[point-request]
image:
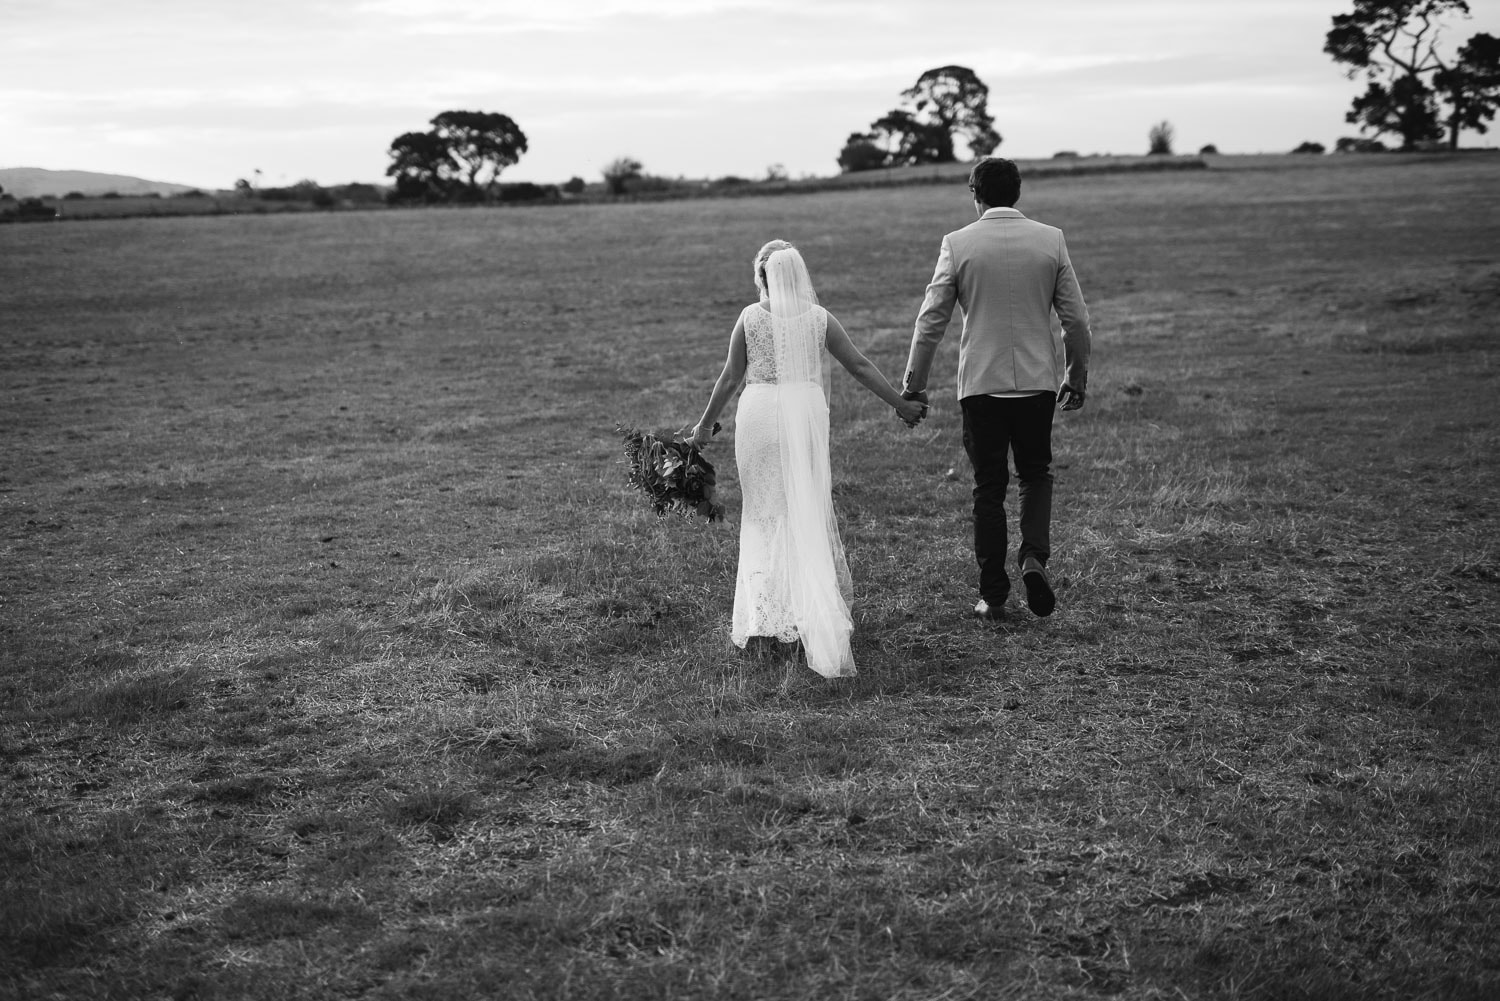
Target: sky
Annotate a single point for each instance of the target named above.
(203, 92)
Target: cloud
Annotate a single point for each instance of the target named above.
(564, 15)
(696, 86)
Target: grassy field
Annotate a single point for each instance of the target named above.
(336, 661)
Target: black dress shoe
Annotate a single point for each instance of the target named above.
(1039, 596)
(760, 647)
(990, 613)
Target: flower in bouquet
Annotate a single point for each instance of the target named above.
(672, 473)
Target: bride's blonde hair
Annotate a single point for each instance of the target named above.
(761, 257)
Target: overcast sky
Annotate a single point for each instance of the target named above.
(203, 92)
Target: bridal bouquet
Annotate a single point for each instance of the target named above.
(672, 474)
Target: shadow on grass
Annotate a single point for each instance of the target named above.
(264, 916)
(65, 885)
(126, 699)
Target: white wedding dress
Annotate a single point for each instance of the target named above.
(793, 580)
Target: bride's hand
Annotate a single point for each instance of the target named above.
(701, 435)
(911, 412)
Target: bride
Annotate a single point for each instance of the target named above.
(793, 581)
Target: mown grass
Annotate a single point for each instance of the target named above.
(338, 661)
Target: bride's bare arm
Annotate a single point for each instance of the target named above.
(729, 381)
(864, 370)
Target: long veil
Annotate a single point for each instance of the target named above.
(817, 571)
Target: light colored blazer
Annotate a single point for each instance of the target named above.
(1026, 327)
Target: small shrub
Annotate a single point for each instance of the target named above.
(73, 196)
(1160, 137)
(525, 191)
(1357, 144)
(650, 183)
(1208, 150)
(35, 208)
(621, 171)
(1311, 147)
(303, 191)
(1065, 154)
(861, 153)
(358, 193)
(574, 186)
(111, 194)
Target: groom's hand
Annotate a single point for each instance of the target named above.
(920, 396)
(1069, 398)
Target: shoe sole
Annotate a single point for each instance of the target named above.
(1039, 596)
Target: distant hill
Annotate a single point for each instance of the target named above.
(34, 182)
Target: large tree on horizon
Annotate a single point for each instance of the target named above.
(954, 103)
(945, 105)
(459, 158)
(482, 144)
(1395, 44)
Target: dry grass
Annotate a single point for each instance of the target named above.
(338, 661)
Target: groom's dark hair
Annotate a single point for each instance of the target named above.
(996, 181)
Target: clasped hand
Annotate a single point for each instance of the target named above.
(912, 409)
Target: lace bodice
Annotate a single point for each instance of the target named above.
(760, 342)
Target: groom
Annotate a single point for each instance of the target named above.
(1025, 346)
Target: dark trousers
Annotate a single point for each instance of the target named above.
(1022, 427)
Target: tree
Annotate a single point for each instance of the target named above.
(953, 101)
(908, 141)
(35, 208)
(421, 167)
(945, 104)
(1406, 108)
(861, 153)
(1395, 45)
(1160, 137)
(459, 158)
(1311, 147)
(479, 143)
(1472, 86)
(620, 170)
